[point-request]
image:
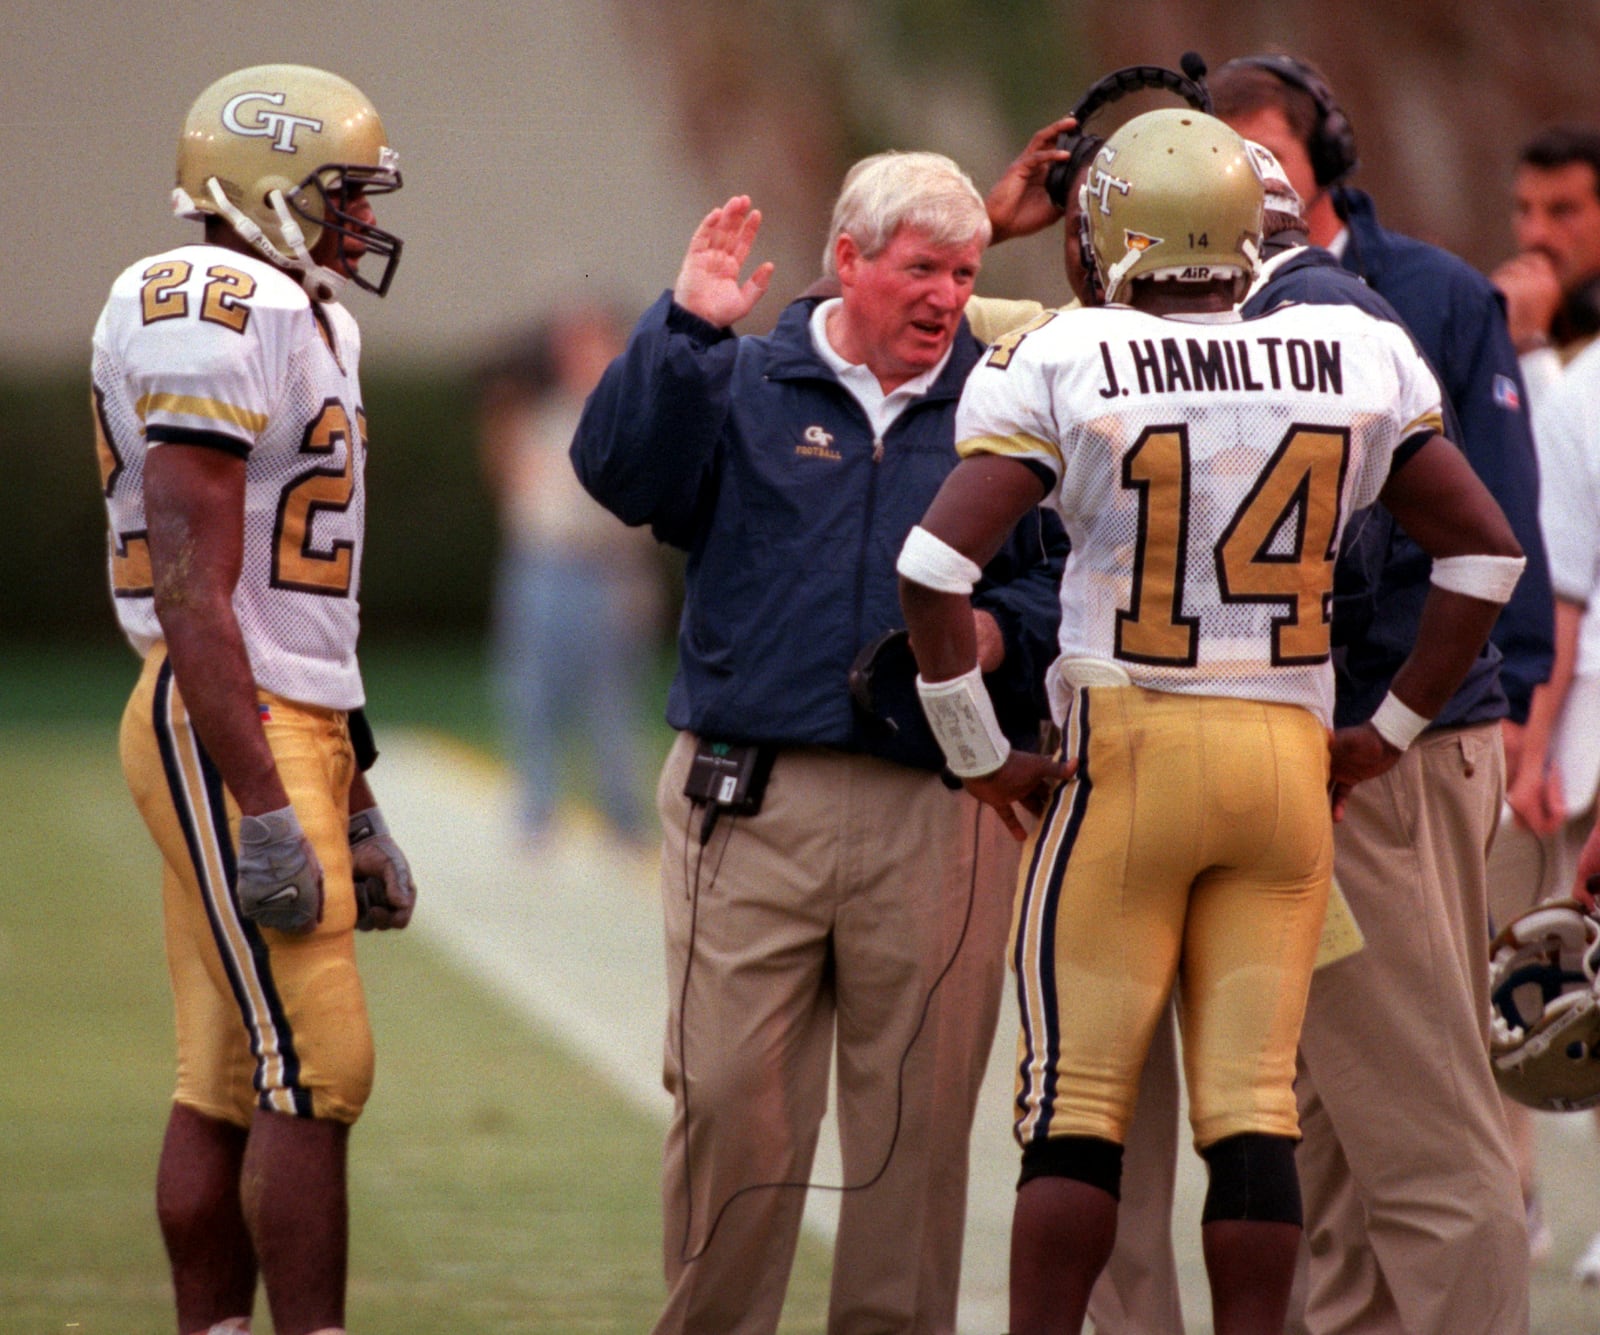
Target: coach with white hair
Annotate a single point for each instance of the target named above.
(824, 891)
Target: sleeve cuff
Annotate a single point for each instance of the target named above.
(683, 321)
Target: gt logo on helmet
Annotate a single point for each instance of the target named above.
(1100, 185)
(278, 126)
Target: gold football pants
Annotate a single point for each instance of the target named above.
(265, 1019)
(1193, 847)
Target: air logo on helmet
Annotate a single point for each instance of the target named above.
(278, 126)
(1196, 273)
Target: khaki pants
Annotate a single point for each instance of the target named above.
(1413, 1213)
(860, 917)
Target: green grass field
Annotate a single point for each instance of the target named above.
(497, 1185)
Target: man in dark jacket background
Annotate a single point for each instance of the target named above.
(858, 903)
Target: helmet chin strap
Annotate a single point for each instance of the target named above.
(320, 282)
(1119, 271)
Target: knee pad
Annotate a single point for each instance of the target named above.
(1252, 1177)
(1081, 1158)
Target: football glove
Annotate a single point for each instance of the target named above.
(385, 890)
(279, 881)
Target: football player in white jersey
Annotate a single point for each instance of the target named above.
(232, 442)
(1204, 467)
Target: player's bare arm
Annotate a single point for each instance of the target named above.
(194, 501)
(708, 282)
(194, 498)
(972, 514)
(1443, 505)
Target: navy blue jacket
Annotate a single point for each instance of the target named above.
(747, 453)
(1456, 317)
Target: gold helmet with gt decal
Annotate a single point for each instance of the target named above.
(1544, 988)
(278, 152)
(1173, 194)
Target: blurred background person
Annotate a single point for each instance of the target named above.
(578, 595)
(1552, 284)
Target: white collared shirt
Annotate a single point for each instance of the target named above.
(881, 409)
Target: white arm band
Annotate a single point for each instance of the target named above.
(935, 564)
(1397, 723)
(1491, 578)
(962, 718)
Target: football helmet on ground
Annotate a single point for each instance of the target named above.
(1172, 194)
(1545, 1021)
(279, 152)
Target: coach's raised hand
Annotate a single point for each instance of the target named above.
(708, 283)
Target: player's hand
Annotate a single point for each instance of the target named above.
(1533, 295)
(1586, 884)
(1512, 737)
(991, 643)
(1018, 204)
(385, 890)
(1536, 800)
(1358, 754)
(279, 882)
(708, 283)
(1026, 779)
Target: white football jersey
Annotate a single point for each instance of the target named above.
(1204, 470)
(204, 346)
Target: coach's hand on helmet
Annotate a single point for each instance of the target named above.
(708, 283)
(279, 882)
(385, 890)
(1026, 779)
(1018, 204)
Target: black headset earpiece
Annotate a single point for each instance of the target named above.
(1189, 85)
(1333, 143)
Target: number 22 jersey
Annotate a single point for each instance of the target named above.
(1204, 469)
(206, 347)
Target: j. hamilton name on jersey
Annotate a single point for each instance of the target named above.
(1194, 365)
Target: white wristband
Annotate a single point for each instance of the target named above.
(1491, 578)
(1397, 723)
(933, 563)
(961, 715)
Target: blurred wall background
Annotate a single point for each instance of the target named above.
(559, 149)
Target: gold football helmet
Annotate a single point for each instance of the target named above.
(1172, 194)
(279, 151)
(1545, 1024)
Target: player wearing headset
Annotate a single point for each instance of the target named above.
(232, 441)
